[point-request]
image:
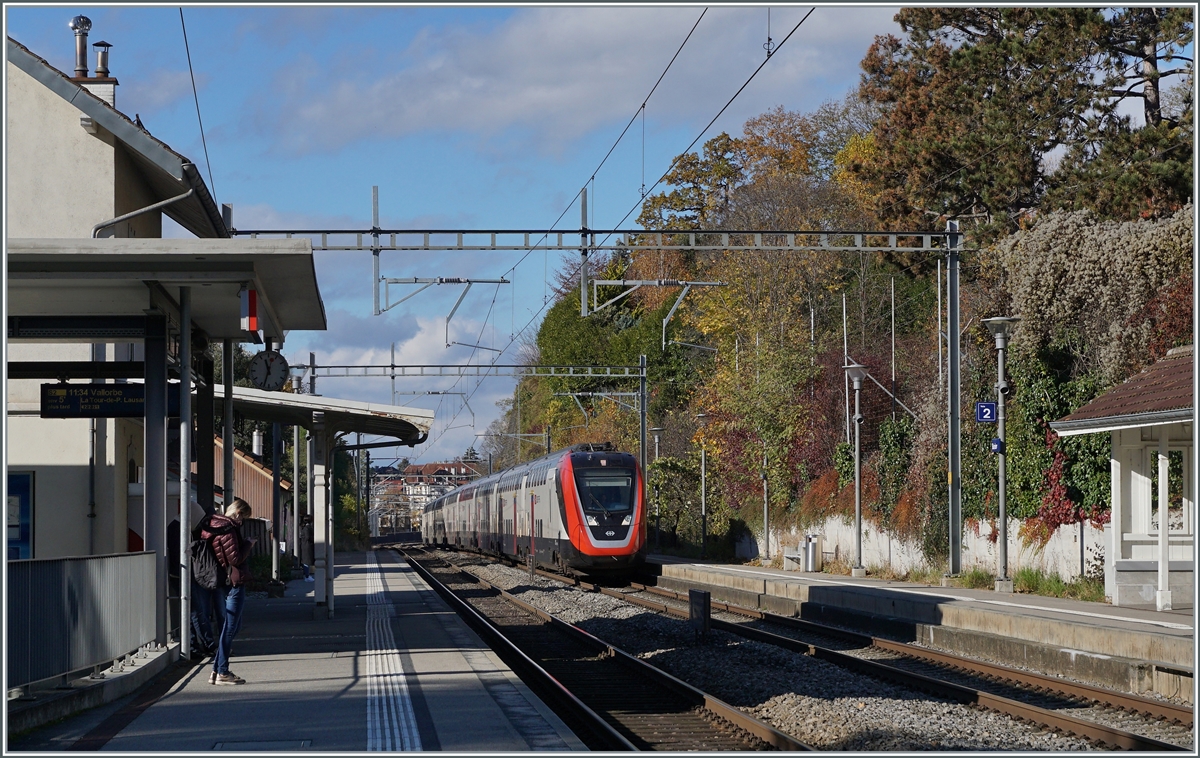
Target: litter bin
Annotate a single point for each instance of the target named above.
(812, 553)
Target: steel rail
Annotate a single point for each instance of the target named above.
(1086, 728)
(1082, 727)
(738, 718)
(1133, 703)
(528, 669)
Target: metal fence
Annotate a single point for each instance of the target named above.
(70, 614)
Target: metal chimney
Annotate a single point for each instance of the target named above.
(101, 59)
(81, 25)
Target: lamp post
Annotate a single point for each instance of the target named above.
(766, 514)
(702, 418)
(1001, 328)
(657, 516)
(856, 373)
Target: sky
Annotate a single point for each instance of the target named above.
(464, 117)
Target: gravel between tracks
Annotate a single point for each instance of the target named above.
(816, 702)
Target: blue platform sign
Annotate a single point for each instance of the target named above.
(985, 413)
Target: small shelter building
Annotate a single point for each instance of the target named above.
(1149, 549)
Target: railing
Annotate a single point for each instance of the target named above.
(70, 614)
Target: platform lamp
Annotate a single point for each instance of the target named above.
(657, 516)
(1001, 328)
(857, 372)
(702, 418)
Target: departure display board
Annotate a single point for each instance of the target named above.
(100, 400)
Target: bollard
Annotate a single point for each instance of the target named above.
(700, 611)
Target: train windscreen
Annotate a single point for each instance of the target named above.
(605, 492)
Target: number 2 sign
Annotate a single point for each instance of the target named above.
(985, 413)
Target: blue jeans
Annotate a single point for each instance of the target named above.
(202, 607)
(229, 615)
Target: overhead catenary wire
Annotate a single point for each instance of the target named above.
(706, 128)
(713, 121)
(196, 97)
(591, 180)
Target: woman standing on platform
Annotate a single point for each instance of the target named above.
(233, 554)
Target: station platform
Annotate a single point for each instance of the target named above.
(396, 669)
(1130, 649)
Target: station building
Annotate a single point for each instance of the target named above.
(109, 322)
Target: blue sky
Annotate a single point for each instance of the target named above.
(488, 117)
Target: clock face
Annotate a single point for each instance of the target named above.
(269, 370)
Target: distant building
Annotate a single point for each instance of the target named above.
(424, 482)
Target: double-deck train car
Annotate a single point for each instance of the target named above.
(578, 510)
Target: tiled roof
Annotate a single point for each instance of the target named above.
(1163, 387)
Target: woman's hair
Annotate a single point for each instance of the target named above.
(238, 509)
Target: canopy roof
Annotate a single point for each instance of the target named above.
(1161, 394)
(409, 425)
(118, 276)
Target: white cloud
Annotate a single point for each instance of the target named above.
(559, 73)
(160, 91)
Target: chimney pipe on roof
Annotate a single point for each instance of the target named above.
(81, 25)
(101, 59)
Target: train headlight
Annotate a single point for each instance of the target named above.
(591, 520)
(627, 520)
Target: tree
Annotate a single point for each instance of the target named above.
(702, 187)
(977, 99)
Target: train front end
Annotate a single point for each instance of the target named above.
(605, 512)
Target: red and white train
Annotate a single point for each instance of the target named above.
(578, 510)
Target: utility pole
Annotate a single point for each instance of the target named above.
(375, 249)
(583, 253)
(766, 514)
(642, 420)
(953, 242)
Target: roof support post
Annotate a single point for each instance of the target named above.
(154, 501)
(1162, 598)
(227, 433)
(294, 540)
(185, 470)
(330, 521)
(276, 500)
(205, 448)
(321, 534)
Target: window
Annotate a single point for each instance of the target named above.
(605, 491)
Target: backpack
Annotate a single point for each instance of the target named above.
(205, 569)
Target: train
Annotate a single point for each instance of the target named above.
(580, 510)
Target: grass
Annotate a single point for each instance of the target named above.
(976, 578)
(1036, 582)
(1029, 581)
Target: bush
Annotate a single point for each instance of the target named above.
(843, 462)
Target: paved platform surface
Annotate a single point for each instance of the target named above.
(1138, 649)
(1175, 623)
(395, 670)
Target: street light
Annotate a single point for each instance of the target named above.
(702, 417)
(1001, 328)
(857, 372)
(657, 516)
(766, 514)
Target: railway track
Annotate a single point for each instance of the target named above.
(612, 700)
(1024, 695)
